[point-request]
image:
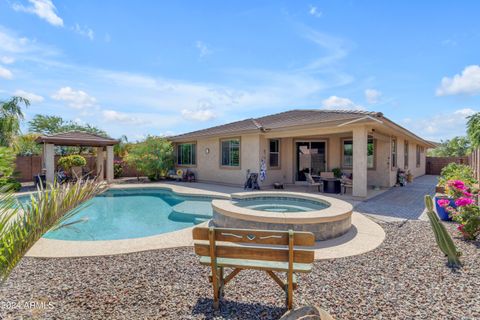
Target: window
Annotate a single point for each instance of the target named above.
(230, 153)
(347, 153)
(406, 154)
(418, 155)
(394, 153)
(347, 158)
(274, 153)
(187, 154)
(371, 153)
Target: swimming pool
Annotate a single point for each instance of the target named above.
(134, 213)
(280, 204)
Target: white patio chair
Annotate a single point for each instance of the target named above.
(312, 182)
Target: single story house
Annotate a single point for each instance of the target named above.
(366, 144)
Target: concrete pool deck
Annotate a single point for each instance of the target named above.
(365, 235)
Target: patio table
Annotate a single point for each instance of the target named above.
(331, 185)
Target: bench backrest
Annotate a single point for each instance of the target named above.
(281, 246)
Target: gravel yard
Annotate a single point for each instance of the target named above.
(405, 278)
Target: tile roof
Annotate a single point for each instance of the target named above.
(280, 120)
(77, 138)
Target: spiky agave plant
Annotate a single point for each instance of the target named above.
(21, 225)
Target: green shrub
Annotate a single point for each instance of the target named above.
(7, 162)
(117, 168)
(337, 172)
(455, 171)
(152, 157)
(10, 184)
(71, 161)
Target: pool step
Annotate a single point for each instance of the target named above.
(199, 220)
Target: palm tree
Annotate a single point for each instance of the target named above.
(473, 129)
(10, 116)
(21, 225)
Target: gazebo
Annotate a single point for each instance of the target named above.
(103, 145)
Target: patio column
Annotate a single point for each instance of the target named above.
(49, 161)
(100, 164)
(109, 168)
(360, 141)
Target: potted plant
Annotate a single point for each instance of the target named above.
(337, 173)
(73, 163)
(409, 177)
(454, 189)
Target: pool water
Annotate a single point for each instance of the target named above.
(126, 214)
(279, 204)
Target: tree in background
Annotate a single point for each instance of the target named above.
(7, 162)
(25, 145)
(44, 124)
(473, 129)
(7, 165)
(455, 147)
(152, 157)
(10, 116)
(122, 147)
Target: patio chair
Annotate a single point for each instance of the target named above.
(189, 176)
(252, 182)
(346, 183)
(178, 176)
(311, 182)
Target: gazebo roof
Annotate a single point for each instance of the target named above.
(77, 138)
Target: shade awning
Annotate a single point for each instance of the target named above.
(77, 138)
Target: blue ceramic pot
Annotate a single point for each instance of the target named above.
(442, 213)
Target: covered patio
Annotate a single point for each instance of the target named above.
(103, 145)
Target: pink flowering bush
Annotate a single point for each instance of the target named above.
(466, 213)
(456, 189)
(443, 202)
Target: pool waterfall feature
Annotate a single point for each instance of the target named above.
(325, 217)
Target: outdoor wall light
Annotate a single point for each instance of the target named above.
(207, 150)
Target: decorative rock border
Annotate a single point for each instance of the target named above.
(328, 223)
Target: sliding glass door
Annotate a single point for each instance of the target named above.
(310, 158)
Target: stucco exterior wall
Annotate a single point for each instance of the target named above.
(255, 147)
(208, 164)
(412, 160)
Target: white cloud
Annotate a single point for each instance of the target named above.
(76, 99)
(7, 60)
(203, 49)
(441, 126)
(44, 9)
(465, 112)
(84, 31)
(315, 12)
(466, 83)
(32, 97)
(115, 116)
(339, 103)
(335, 49)
(199, 114)
(5, 73)
(372, 96)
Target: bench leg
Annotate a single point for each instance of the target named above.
(222, 283)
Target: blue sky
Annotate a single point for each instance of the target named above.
(158, 67)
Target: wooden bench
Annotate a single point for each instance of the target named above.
(270, 251)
